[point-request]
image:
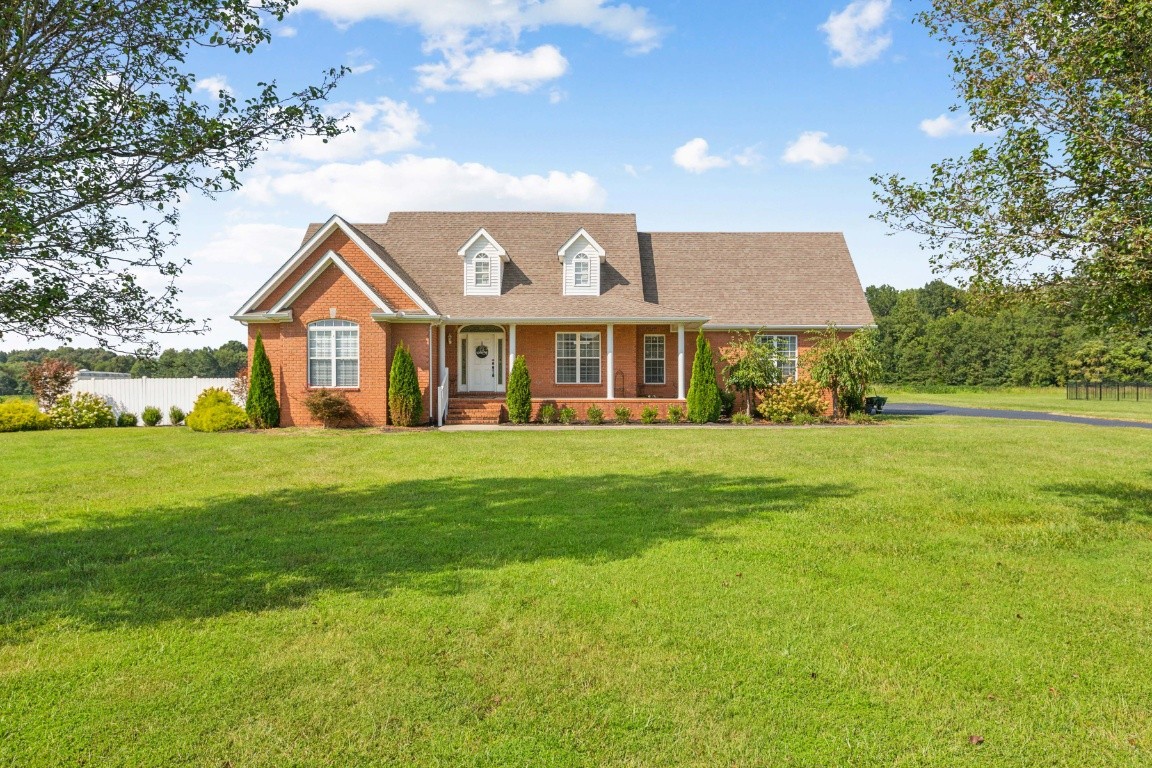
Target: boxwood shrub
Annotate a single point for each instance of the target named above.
(215, 411)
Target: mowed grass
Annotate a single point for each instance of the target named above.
(1046, 399)
(857, 596)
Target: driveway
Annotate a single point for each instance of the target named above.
(928, 409)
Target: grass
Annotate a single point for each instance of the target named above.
(1047, 399)
(857, 596)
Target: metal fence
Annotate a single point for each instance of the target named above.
(1109, 390)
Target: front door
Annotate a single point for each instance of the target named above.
(485, 367)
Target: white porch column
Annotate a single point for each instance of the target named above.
(611, 363)
(441, 371)
(680, 361)
(511, 350)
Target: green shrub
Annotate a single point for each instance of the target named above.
(727, 402)
(22, 416)
(329, 408)
(175, 415)
(859, 417)
(649, 415)
(261, 406)
(404, 398)
(83, 410)
(151, 416)
(675, 414)
(567, 415)
(623, 414)
(127, 419)
(548, 414)
(784, 401)
(216, 411)
(519, 397)
(805, 419)
(703, 392)
(741, 418)
(595, 414)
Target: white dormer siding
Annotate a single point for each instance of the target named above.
(581, 257)
(483, 265)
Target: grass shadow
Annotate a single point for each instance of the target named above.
(277, 549)
(1113, 502)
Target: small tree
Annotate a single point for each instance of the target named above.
(49, 380)
(261, 406)
(519, 397)
(750, 367)
(703, 392)
(404, 398)
(845, 366)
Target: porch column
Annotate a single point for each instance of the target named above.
(441, 370)
(511, 350)
(680, 361)
(611, 364)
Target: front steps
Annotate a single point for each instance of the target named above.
(474, 410)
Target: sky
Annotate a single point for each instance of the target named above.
(696, 116)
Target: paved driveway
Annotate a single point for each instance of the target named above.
(928, 409)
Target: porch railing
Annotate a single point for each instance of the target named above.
(442, 396)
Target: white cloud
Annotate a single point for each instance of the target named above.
(749, 157)
(369, 190)
(555, 96)
(359, 62)
(855, 35)
(248, 243)
(382, 126)
(693, 157)
(811, 148)
(286, 31)
(213, 86)
(489, 71)
(950, 125)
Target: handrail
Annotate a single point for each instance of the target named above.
(442, 395)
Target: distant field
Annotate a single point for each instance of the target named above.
(1047, 399)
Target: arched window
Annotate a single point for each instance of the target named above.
(333, 354)
(581, 271)
(482, 265)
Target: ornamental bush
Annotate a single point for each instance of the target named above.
(675, 414)
(785, 401)
(329, 408)
(741, 418)
(127, 419)
(22, 416)
(216, 411)
(567, 415)
(404, 398)
(649, 415)
(519, 397)
(595, 414)
(261, 406)
(82, 410)
(703, 393)
(623, 414)
(175, 415)
(151, 416)
(548, 414)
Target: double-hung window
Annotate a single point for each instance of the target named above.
(786, 353)
(578, 358)
(333, 354)
(654, 359)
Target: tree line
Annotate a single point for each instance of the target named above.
(207, 362)
(940, 334)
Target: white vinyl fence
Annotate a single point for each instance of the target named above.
(134, 395)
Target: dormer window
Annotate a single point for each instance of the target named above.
(581, 271)
(580, 258)
(483, 265)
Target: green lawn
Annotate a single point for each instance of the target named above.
(1048, 399)
(858, 596)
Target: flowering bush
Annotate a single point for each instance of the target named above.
(22, 415)
(784, 401)
(82, 410)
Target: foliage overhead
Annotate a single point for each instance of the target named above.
(1057, 203)
(101, 137)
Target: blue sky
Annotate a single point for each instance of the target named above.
(695, 116)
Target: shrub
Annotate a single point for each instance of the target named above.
(727, 402)
(783, 402)
(127, 419)
(329, 408)
(595, 415)
(675, 414)
(261, 406)
(82, 410)
(649, 415)
(741, 418)
(623, 414)
(175, 416)
(216, 411)
(49, 380)
(519, 397)
(548, 414)
(151, 416)
(859, 417)
(805, 419)
(703, 392)
(22, 416)
(567, 415)
(846, 366)
(404, 398)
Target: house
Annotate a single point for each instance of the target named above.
(603, 314)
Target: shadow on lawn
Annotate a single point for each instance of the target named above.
(1113, 502)
(276, 549)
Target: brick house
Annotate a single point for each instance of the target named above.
(603, 313)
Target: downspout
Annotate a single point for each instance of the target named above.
(431, 389)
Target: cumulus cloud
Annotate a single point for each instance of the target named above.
(369, 190)
(812, 148)
(693, 156)
(213, 86)
(248, 243)
(855, 35)
(950, 125)
(489, 71)
(382, 126)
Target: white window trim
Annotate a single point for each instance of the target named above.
(487, 270)
(576, 283)
(794, 358)
(556, 359)
(331, 330)
(663, 358)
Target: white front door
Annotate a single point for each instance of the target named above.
(483, 357)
